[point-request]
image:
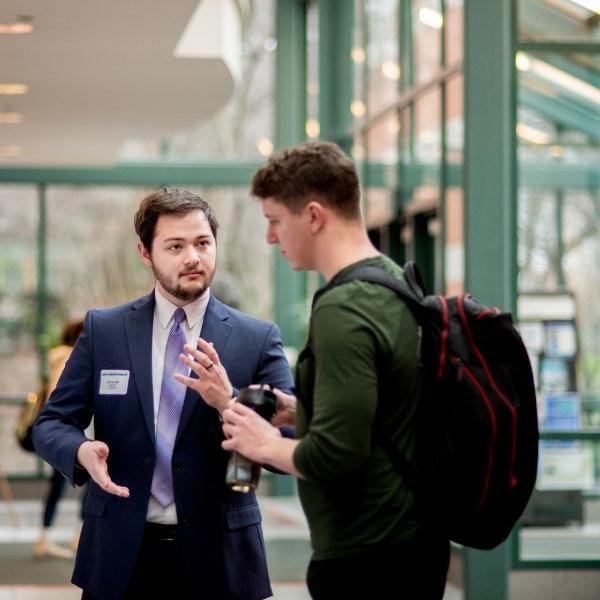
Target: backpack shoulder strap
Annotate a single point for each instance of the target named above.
(415, 279)
(411, 292)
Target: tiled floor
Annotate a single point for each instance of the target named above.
(285, 529)
(282, 591)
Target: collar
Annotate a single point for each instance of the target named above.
(194, 311)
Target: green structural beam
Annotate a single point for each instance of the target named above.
(565, 112)
(336, 21)
(290, 118)
(538, 18)
(42, 288)
(490, 205)
(490, 152)
(221, 174)
(539, 175)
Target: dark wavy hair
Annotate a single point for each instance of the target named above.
(169, 202)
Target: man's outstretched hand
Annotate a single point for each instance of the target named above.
(92, 457)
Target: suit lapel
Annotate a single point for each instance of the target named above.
(215, 329)
(138, 329)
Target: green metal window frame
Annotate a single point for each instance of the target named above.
(517, 563)
(574, 176)
(206, 174)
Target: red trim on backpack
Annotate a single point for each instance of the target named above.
(444, 339)
(513, 413)
(488, 312)
(490, 459)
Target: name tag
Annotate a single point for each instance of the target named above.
(114, 382)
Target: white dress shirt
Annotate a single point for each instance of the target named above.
(163, 320)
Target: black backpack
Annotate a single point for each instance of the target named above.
(477, 439)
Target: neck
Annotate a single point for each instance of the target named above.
(173, 299)
(342, 248)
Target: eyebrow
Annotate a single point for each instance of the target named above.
(181, 239)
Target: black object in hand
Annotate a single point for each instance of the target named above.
(243, 474)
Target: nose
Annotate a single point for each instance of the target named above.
(271, 237)
(191, 257)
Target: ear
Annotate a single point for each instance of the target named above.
(144, 254)
(317, 216)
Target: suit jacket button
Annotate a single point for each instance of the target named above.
(183, 520)
(177, 466)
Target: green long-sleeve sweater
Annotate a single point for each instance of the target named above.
(365, 345)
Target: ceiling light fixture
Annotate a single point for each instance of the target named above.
(358, 55)
(10, 151)
(565, 80)
(13, 89)
(390, 70)
(312, 128)
(358, 108)
(532, 134)
(11, 118)
(522, 61)
(431, 18)
(591, 5)
(22, 25)
(265, 146)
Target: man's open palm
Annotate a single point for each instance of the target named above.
(92, 457)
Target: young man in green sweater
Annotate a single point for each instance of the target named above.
(357, 382)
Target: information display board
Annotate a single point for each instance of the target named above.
(548, 326)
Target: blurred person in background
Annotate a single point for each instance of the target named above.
(57, 359)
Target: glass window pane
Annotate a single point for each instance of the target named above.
(558, 129)
(427, 27)
(85, 273)
(454, 276)
(244, 127)
(382, 151)
(454, 31)
(358, 53)
(454, 120)
(18, 290)
(312, 69)
(559, 95)
(382, 140)
(19, 365)
(382, 53)
(428, 131)
(558, 20)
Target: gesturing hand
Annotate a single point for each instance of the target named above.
(213, 383)
(92, 457)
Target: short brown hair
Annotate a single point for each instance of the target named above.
(310, 169)
(169, 202)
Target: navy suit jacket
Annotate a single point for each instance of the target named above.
(220, 530)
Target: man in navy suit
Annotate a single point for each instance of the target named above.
(159, 520)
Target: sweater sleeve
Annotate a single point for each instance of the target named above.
(338, 440)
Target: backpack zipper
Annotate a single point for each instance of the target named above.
(513, 480)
